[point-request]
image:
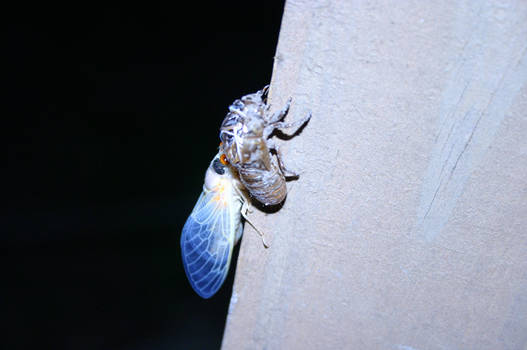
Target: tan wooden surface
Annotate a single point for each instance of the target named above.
(407, 229)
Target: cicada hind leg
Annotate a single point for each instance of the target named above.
(287, 172)
(246, 208)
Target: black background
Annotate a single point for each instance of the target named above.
(111, 119)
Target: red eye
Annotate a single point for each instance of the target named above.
(223, 159)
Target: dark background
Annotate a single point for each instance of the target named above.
(111, 119)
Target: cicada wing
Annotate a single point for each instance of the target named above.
(206, 243)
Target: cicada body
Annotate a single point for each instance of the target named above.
(245, 133)
(212, 229)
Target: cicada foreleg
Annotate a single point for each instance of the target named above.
(296, 124)
(276, 121)
(279, 115)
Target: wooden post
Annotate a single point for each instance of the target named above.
(407, 228)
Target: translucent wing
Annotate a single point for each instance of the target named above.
(207, 241)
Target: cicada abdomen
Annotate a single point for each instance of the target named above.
(245, 133)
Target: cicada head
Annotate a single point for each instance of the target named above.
(258, 100)
(219, 172)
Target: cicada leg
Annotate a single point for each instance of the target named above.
(243, 210)
(287, 172)
(276, 121)
(279, 115)
(296, 124)
(246, 208)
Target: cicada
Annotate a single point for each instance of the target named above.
(213, 228)
(245, 135)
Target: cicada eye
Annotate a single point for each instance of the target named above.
(218, 166)
(223, 159)
(238, 104)
(225, 138)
